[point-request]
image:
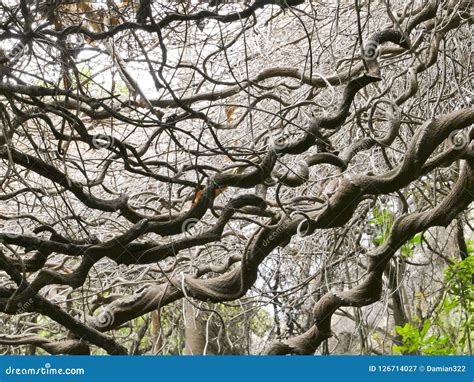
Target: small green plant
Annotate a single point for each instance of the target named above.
(417, 340)
(458, 277)
(470, 246)
(383, 221)
(408, 248)
(449, 330)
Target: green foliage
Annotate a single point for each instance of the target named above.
(86, 76)
(256, 321)
(410, 245)
(418, 340)
(261, 322)
(240, 322)
(451, 327)
(121, 88)
(173, 337)
(470, 246)
(85, 73)
(458, 278)
(382, 221)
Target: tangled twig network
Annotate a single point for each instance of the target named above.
(267, 177)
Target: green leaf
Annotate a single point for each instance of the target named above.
(426, 327)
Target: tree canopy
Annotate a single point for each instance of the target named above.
(226, 177)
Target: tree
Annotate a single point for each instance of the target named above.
(276, 177)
